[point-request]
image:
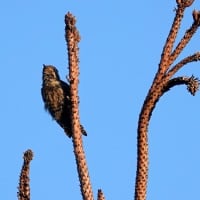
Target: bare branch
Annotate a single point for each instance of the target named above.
(184, 41)
(24, 187)
(191, 82)
(72, 39)
(160, 85)
(163, 66)
(193, 58)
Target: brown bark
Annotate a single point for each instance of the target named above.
(24, 186)
(161, 84)
(72, 38)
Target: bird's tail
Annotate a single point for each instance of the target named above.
(83, 131)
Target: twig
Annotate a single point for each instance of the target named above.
(167, 49)
(184, 41)
(191, 82)
(193, 58)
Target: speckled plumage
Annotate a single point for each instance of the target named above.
(56, 97)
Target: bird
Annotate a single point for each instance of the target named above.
(56, 96)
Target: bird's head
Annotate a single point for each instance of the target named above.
(50, 73)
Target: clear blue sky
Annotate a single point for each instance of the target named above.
(119, 54)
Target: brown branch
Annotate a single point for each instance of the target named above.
(72, 39)
(164, 62)
(184, 41)
(191, 82)
(24, 187)
(152, 97)
(100, 195)
(144, 118)
(160, 85)
(142, 140)
(193, 58)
